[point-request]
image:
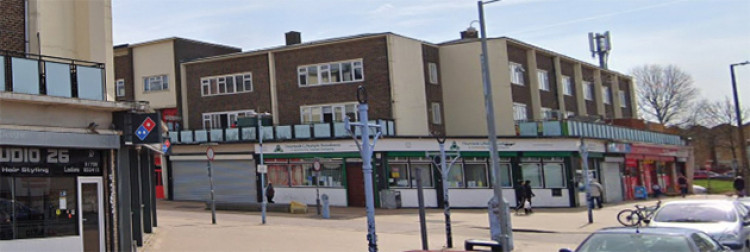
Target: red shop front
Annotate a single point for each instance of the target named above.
(647, 165)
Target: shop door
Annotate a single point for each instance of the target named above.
(91, 222)
(355, 185)
(612, 182)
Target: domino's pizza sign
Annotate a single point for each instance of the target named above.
(142, 128)
(145, 128)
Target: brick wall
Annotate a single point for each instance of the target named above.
(548, 98)
(625, 86)
(609, 109)
(521, 94)
(588, 75)
(571, 102)
(434, 93)
(12, 30)
(124, 70)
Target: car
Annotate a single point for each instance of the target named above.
(646, 239)
(699, 189)
(727, 221)
(745, 201)
(704, 174)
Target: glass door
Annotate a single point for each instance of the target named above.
(91, 209)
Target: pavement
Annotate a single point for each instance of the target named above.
(186, 226)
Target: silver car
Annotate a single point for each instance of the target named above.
(726, 221)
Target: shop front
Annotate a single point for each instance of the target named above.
(648, 165)
(53, 199)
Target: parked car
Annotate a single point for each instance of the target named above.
(699, 189)
(704, 174)
(724, 176)
(727, 221)
(646, 239)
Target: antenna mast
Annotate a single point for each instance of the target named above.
(600, 44)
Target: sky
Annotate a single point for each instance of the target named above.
(702, 37)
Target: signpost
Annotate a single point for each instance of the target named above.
(210, 155)
(316, 168)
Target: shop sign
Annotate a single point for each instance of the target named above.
(618, 148)
(24, 161)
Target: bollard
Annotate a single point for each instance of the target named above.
(326, 209)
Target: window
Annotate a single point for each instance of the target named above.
(433, 72)
(554, 175)
(519, 112)
(476, 175)
(543, 80)
(38, 207)
(436, 113)
(606, 95)
(569, 114)
(227, 84)
(328, 113)
(567, 85)
(399, 175)
(623, 99)
(546, 173)
(403, 172)
(588, 91)
(548, 113)
(425, 175)
(155, 83)
(330, 73)
(218, 120)
(455, 175)
(516, 73)
(120, 86)
(533, 173)
(300, 173)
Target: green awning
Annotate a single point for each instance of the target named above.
(314, 155)
(547, 154)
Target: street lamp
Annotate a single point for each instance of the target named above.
(259, 117)
(503, 217)
(743, 148)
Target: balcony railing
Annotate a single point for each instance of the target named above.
(594, 130)
(332, 130)
(52, 76)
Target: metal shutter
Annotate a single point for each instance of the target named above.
(234, 181)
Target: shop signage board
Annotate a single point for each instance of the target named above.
(31, 161)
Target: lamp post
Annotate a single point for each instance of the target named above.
(503, 217)
(259, 117)
(743, 148)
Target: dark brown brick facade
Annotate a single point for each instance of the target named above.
(374, 55)
(571, 103)
(588, 75)
(609, 109)
(521, 94)
(548, 98)
(433, 92)
(12, 25)
(124, 70)
(259, 99)
(625, 86)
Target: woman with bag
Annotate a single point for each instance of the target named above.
(527, 197)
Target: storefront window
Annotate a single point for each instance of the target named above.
(476, 175)
(278, 175)
(456, 176)
(554, 175)
(533, 173)
(32, 207)
(330, 175)
(426, 174)
(505, 175)
(300, 173)
(399, 176)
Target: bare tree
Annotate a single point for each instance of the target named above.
(664, 93)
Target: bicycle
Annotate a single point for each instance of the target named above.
(641, 214)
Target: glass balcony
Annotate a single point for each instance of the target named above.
(51, 76)
(594, 130)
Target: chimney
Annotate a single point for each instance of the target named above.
(469, 33)
(293, 38)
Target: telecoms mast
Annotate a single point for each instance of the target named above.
(600, 44)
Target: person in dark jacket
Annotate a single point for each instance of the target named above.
(528, 194)
(739, 186)
(520, 199)
(270, 193)
(682, 182)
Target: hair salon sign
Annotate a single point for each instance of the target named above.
(31, 161)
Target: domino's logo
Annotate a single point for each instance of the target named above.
(145, 128)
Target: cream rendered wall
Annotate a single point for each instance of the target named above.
(46, 115)
(407, 86)
(74, 29)
(463, 90)
(150, 60)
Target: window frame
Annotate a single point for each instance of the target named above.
(541, 163)
(516, 74)
(432, 72)
(307, 112)
(623, 98)
(606, 95)
(120, 85)
(436, 112)
(517, 114)
(355, 73)
(211, 84)
(567, 85)
(588, 90)
(163, 85)
(543, 79)
(214, 118)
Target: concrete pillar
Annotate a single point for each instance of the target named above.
(633, 100)
(536, 103)
(578, 83)
(559, 79)
(598, 94)
(616, 102)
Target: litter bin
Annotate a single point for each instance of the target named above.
(390, 199)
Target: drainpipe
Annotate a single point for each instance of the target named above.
(26, 26)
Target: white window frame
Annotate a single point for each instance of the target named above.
(569, 114)
(606, 95)
(436, 113)
(546, 113)
(324, 74)
(543, 79)
(217, 82)
(120, 87)
(315, 113)
(517, 113)
(433, 72)
(623, 102)
(516, 73)
(163, 83)
(567, 85)
(588, 90)
(214, 118)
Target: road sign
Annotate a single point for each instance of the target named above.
(210, 153)
(262, 168)
(316, 165)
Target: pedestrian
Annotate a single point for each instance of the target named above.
(682, 182)
(270, 193)
(657, 190)
(596, 191)
(739, 186)
(527, 195)
(520, 199)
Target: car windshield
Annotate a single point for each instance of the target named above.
(634, 242)
(699, 212)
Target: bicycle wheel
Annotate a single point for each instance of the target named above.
(628, 218)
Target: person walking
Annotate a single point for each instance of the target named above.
(682, 182)
(657, 190)
(596, 191)
(520, 199)
(270, 193)
(527, 194)
(739, 186)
